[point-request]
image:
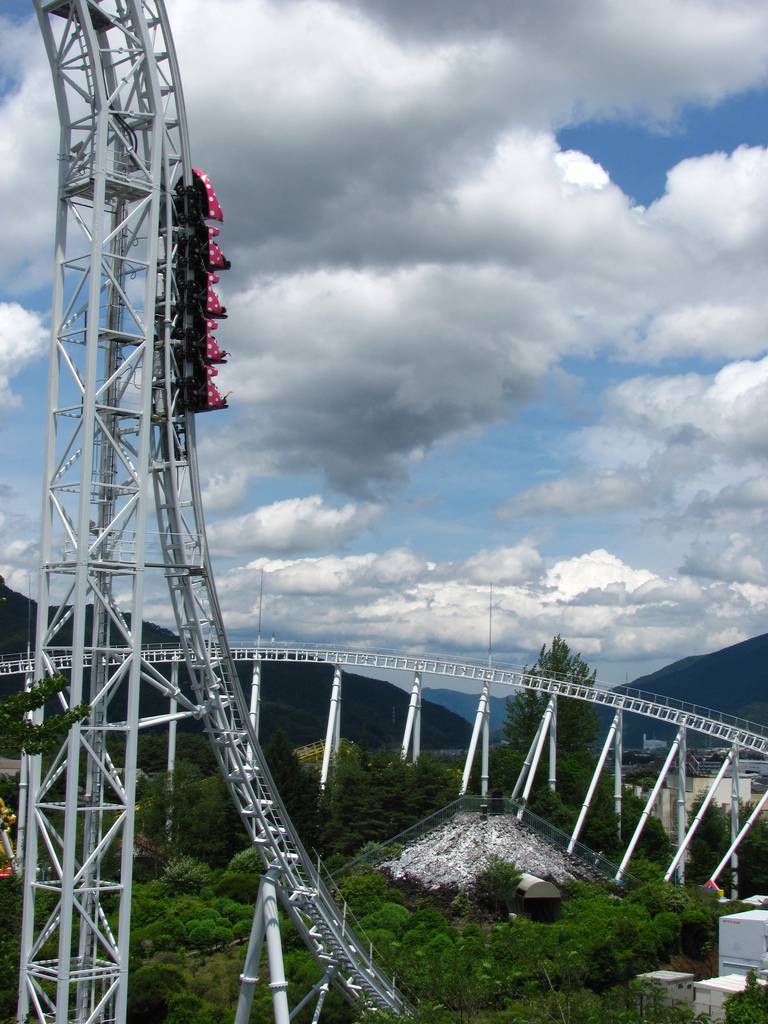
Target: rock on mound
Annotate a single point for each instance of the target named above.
(455, 853)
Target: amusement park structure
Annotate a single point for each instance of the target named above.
(133, 359)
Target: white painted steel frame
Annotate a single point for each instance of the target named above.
(412, 731)
(80, 821)
(124, 146)
(480, 731)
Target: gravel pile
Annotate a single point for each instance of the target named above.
(455, 853)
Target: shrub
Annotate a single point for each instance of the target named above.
(497, 884)
(240, 886)
(186, 875)
(246, 861)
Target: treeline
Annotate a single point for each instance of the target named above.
(370, 795)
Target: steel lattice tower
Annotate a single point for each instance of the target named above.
(126, 377)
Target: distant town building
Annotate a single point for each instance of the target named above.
(665, 808)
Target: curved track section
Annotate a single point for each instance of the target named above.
(120, 448)
(726, 729)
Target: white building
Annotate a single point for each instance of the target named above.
(743, 942)
(709, 996)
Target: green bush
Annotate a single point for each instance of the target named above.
(246, 861)
(186, 875)
(241, 886)
(495, 887)
(151, 987)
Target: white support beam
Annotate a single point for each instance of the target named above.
(756, 810)
(332, 732)
(618, 758)
(485, 750)
(320, 1000)
(683, 846)
(5, 839)
(545, 723)
(552, 777)
(173, 707)
(412, 730)
(734, 821)
(482, 710)
(318, 988)
(255, 704)
(21, 818)
(649, 805)
(527, 762)
(593, 782)
(254, 708)
(681, 807)
(265, 927)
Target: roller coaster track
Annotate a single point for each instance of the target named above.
(130, 364)
(716, 725)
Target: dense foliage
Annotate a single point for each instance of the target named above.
(460, 956)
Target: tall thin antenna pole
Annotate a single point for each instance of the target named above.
(261, 597)
(490, 626)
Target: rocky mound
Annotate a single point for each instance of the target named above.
(455, 853)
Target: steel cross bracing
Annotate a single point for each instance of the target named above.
(707, 721)
(118, 443)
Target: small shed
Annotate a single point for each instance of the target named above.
(538, 899)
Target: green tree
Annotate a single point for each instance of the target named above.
(577, 721)
(749, 1006)
(497, 884)
(18, 732)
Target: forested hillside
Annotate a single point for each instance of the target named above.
(457, 953)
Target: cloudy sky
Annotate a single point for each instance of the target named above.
(498, 314)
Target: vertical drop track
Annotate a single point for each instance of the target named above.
(132, 361)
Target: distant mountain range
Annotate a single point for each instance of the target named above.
(294, 697)
(465, 704)
(733, 680)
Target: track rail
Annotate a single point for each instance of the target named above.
(706, 721)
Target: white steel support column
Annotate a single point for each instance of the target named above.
(412, 732)
(618, 757)
(477, 728)
(552, 776)
(682, 819)
(593, 782)
(545, 723)
(736, 842)
(173, 708)
(734, 821)
(527, 762)
(320, 989)
(266, 926)
(21, 818)
(255, 705)
(683, 846)
(321, 999)
(332, 733)
(649, 804)
(485, 750)
(95, 502)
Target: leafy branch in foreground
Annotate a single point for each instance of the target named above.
(19, 732)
